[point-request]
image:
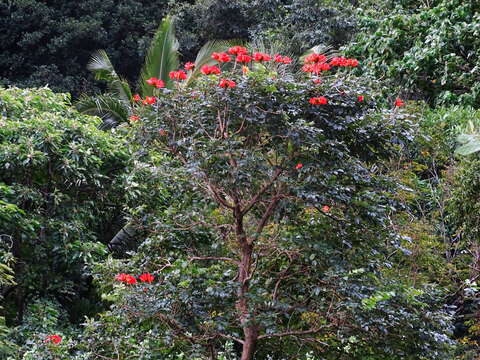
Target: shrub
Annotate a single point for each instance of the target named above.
(61, 197)
(426, 52)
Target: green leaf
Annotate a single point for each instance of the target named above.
(162, 57)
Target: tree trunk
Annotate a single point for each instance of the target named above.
(250, 342)
(250, 328)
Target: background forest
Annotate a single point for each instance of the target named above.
(263, 179)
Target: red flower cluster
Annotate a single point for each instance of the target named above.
(316, 68)
(261, 57)
(207, 70)
(299, 166)
(361, 98)
(54, 339)
(125, 278)
(326, 208)
(178, 75)
(224, 83)
(221, 57)
(147, 277)
(316, 63)
(238, 50)
(146, 101)
(341, 61)
(399, 102)
(189, 65)
(282, 59)
(156, 82)
(149, 100)
(321, 100)
(315, 58)
(134, 118)
(243, 58)
(129, 279)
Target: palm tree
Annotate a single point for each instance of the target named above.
(115, 106)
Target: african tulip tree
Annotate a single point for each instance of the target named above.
(271, 193)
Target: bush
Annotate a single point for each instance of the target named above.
(426, 52)
(61, 197)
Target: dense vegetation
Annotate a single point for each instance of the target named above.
(284, 181)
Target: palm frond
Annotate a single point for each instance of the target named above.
(112, 110)
(123, 239)
(103, 69)
(162, 57)
(101, 66)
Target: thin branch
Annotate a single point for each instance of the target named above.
(231, 338)
(290, 333)
(217, 196)
(264, 188)
(192, 258)
(328, 215)
(266, 215)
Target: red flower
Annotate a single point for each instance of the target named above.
(162, 132)
(189, 66)
(299, 166)
(129, 279)
(221, 57)
(361, 98)
(134, 118)
(316, 68)
(321, 100)
(178, 75)
(121, 277)
(136, 98)
(54, 339)
(149, 100)
(315, 58)
(282, 59)
(307, 68)
(224, 83)
(147, 277)
(155, 82)
(352, 62)
(341, 61)
(317, 81)
(207, 70)
(337, 61)
(261, 57)
(152, 81)
(326, 208)
(399, 102)
(237, 50)
(243, 58)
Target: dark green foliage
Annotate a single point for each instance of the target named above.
(425, 52)
(292, 25)
(61, 198)
(51, 42)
